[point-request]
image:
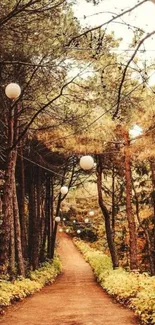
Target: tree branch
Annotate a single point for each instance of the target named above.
(107, 22)
(125, 71)
(41, 110)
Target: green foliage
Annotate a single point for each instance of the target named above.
(100, 263)
(144, 302)
(122, 284)
(130, 288)
(47, 273)
(10, 292)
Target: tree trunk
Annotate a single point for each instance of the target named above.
(52, 205)
(153, 201)
(35, 237)
(129, 212)
(55, 226)
(33, 224)
(48, 215)
(12, 247)
(113, 202)
(7, 202)
(43, 233)
(54, 239)
(39, 210)
(105, 212)
(21, 200)
(30, 210)
(20, 261)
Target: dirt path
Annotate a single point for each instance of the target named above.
(74, 299)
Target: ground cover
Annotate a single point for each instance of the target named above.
(135, 290)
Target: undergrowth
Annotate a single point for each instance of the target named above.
(135, 290)
(22, 287)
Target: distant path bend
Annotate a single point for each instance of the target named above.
(73, 299)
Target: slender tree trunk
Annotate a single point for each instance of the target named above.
(113, 201)
(33, 224)
(52, 203)
(39, 213)
(56, 224)
(43, 234)
(153, 201)
(35, 238)
(20, 261)
(129, 211)
(106, 215)
(12, 247)
(30, 209)
(50, 218)
(48, 215)
(21, 200)
(54, 239)
(7, 199)
(43, 243)
(44, 226)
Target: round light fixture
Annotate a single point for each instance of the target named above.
(86, 220)
(64, 190)
(57, 219)
(78, 231)
(12, 90)
(91, 213)
(60, 230)
(86, 162)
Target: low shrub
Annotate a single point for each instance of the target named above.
(133, 289)
(10, 292)
(144, 302)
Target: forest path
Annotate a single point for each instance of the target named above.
(74, 298)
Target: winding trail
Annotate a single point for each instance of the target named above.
(74, 299)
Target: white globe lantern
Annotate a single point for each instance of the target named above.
(60, 230)
(86, 162)
(86, 220)
(64, 219)
(67, 230)
(12, 90)
(57, 219)
(74, 221)
(64, 190)
(91, 213)
(78, 231)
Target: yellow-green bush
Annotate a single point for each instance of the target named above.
(21, 287)
(133, 289)
(122, 284)
(100, 263)
(144, 302)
